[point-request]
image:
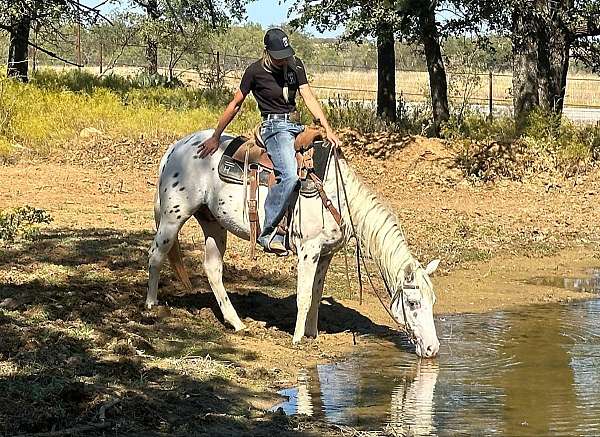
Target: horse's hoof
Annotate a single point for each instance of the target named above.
(149, 304)
(239, 327)
(296, 340)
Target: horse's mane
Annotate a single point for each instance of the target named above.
(378, 229)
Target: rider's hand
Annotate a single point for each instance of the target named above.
(333, 139)
(208, 147)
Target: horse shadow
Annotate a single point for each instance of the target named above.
(280, 313)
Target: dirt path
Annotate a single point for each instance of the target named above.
(76, 293)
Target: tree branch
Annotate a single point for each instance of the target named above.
(52, 54)
(589, 26)
(91, 10)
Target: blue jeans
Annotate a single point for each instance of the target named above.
(279, 137)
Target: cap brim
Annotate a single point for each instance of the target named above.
(282, 54)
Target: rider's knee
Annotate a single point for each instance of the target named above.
(290, 180)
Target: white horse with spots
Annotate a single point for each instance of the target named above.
(190, 186)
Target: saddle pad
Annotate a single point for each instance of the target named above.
(232, 171)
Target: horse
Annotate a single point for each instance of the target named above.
(190, 186)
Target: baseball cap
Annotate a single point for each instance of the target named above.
(277, 44)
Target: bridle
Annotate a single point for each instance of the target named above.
(399, 293)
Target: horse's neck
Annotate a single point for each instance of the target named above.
(376, 227)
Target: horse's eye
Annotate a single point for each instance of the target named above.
(414, 304)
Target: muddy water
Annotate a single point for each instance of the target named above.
(525, 373)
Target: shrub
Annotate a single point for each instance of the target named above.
(21, 222)
(491, 150)
(43, 118)
(362, 117)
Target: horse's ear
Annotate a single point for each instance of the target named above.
(432, 266)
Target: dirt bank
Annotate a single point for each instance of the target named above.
(75, 294)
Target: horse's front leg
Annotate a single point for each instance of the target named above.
(308, 260)
(311, 329)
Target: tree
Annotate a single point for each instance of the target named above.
(426, 31)
(543, 34)
(415, 20)
(17, 18)
(166, 18)
(386, 72)
(362, 20)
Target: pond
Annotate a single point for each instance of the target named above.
(530, 372)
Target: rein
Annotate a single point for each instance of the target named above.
(339, 180)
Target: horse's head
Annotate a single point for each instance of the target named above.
(412, 304)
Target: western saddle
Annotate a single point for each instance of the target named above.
(245, 161)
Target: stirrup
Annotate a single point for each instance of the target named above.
(276, 247)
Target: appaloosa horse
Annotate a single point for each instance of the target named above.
(190, 186)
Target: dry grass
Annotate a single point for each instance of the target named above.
(582, 89)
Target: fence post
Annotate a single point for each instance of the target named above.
(101, 54)
(491, 96)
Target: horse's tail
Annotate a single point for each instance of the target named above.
(175, 255)
(176, 260)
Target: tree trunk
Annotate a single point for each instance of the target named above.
(18, 64)
(438, 84)
(386, 73)
(553, 67)
(553, 57)
(151, 43)
(525, 64)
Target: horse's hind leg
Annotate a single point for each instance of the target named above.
(215, 243)
(311, 329)
(165, 237)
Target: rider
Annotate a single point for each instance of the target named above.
(274, 81)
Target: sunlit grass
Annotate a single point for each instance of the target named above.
(41, 119)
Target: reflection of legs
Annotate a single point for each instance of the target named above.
(412, 401)
(215, 243)
(312, 319)
(304, 405)
(280, 146)
(308, 259)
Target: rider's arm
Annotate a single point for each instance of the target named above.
(230, 112)
(315, 109)
(209, 146)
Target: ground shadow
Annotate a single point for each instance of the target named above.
(280, 312)
(74, 335)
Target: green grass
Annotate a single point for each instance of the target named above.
(51, 111)
(491, 150)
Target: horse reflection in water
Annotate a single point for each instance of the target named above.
(342, 394)
(411, 408)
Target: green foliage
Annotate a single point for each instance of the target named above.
(21, 223)
(79, 81)
(142, 90)
(40, 119)
(361, 116)
(549, 143)
(147, 80)
(476, 126)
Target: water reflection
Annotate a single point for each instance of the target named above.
(589, 284)
(534, 372)
(411, 406)
(352, 394)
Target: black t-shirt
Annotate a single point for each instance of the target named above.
(267, 87)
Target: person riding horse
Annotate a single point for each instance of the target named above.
(274, 81)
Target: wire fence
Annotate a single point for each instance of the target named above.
(487, 91)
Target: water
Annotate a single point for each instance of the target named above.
(533, 372)
(590, 284)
